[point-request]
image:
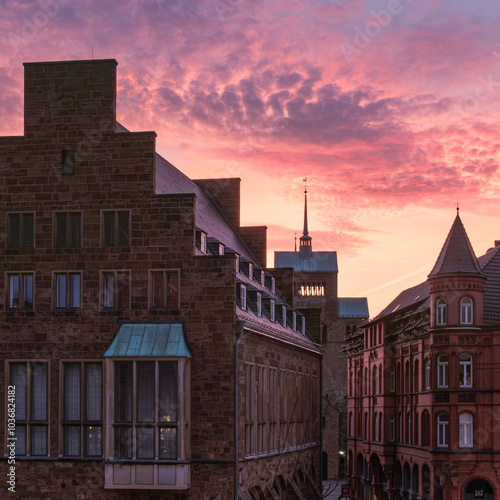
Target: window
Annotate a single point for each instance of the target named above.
(374, 380)
(303, 328)
(400, 428)
(164, 288)
(115, 288)
(237, 263)
(262, 393)
(294, 321)
(465, 430)
(250, 404)
(442, 430)
(466, 311)
(416, 376)
(68, 229)
(427, 374)
(283, 313)
(146, 410)
(441, 312)
(82, 409)
(426, 428)
(243, 297)
(272, 303)
(366, 381)
(20, 291)
(392, 379)
(408, 428)
(392, 428)
(375, 428)
(273, 284)
(221, 249)
(68, 162)
(67, 290)
(116, 228)
(250, 270)
(273, 409)
(465, 370)
(203, 242)
(263, 278)
(442, 369)
(31, 382)
(259, 304)
(380, 380)
(21, 230)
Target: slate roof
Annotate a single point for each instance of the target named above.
(410, 297)
(149, 339)
(457, 255)
(319, 262)
(490, 264)
(353, 307)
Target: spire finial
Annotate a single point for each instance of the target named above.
(305, 250)
(295, 233)
(306, 232)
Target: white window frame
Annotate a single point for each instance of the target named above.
(466, 430)
(442, 371)
(441, 309)
(442, 430)
(465, 370)
(466, 311)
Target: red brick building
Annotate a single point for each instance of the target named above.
(424, 407)
(143, 342)
(312, 278)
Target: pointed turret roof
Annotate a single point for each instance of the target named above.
(457, 255)
(305, 250)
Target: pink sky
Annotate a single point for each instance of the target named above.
(389, 108)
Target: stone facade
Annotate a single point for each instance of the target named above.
(75, 158)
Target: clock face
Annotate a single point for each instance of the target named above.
(68, 162)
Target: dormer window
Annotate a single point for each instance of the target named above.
(203, 242)
(250, 271)
(294, 321)
(283, 310)
(441, 312)
(221, 249)
(237, 263)
(273, 310)
(273, 284)
(263, 278)
(303, 329)
(259, 304)
(466, 311)
(243, 297)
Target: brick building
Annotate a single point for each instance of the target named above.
(424, 386)
(312, 278)
(151, 354)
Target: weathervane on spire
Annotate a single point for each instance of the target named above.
(305, 184)
(305, 248)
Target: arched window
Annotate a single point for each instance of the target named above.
(366, 425)
(380, 380)
(441, 312)
(426, 431)
(442, 430)
(466, 311)
(351, 376)
(408, 428)
(392, 428)
(380, 427)
(465, 370)
(351, 424)
(442, 371)
(415, 377)
(427, 374)
(375, 427)
(367, 381)
(415, 429)
(466, 430)
(407, 378)
(374, 380)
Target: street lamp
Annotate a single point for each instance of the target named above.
(343, 454)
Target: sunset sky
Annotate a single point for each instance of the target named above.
(390, 108)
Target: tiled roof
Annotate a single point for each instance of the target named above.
(412, 296)
(149, 339)
(353, 307)
(319, 262)
(457, 255)
(490, 264)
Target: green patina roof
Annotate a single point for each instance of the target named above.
(149, 339)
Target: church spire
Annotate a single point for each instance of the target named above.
(305, 250)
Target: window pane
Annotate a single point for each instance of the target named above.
(168, 442)
(38, 440)
(123, 391)
(20, 438)
(60, 290)
(75, 228)
(14, 230)
(61, 225)
(28, 229)
(167, 405)
(123, 292)
(39, 391)
(93, 388)
(109, 228)
(145, 442)
(158, 288)
(18, 379)
(27, 291)
(123, 442)
(145, 391)
(72, 391)
(74, 290)
(14, 291)
(109, 290)
(123, 228)
(72, 440)
(172, 291)
(93, 439)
